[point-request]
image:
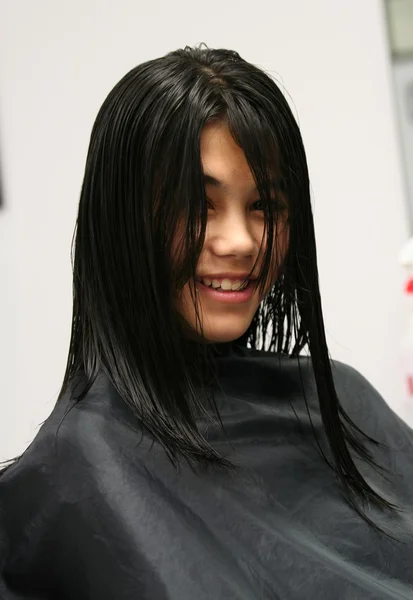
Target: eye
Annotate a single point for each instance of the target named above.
(257, 205)
(277, 204)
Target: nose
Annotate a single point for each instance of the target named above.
(233, 236)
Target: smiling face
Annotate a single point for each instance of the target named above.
(233, 237)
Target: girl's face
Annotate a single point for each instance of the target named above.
(233, 237)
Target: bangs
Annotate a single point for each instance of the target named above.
(257, 136)
(180, 217)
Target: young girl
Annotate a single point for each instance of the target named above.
(194, 452)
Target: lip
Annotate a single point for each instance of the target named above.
(227, 297)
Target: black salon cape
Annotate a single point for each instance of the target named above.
(99, 516)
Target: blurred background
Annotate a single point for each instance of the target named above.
(347, 71)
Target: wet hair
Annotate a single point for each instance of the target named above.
(143, 190)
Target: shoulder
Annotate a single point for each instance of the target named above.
(360, 400)
(74, 454)
(77, 434)
(367, 408)
(64, 484)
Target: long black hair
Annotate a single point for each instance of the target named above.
(143, 179)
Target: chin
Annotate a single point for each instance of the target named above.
(221, 336)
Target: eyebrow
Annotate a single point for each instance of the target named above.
(217, 183)
(210, 180)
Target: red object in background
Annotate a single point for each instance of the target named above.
(409, 286)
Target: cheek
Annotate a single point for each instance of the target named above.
(280, 247)
(281, 244)
(281, 238)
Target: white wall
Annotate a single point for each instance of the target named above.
(403, 80)
(58, 60)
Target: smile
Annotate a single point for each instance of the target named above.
(225, 290)
(225, 284)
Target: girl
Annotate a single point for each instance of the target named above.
(194, 452)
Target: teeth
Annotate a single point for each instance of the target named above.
(225, 284)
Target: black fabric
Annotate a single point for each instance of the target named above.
(92, 511)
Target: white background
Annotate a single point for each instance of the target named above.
(403, 86)
(58, 61)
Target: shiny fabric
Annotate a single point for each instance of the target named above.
(88, 512)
